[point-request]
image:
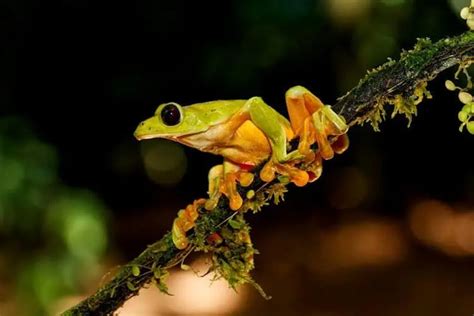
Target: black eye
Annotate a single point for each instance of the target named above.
(171, 115)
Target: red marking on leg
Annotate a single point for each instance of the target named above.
(245, 167)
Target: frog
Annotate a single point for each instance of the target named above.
(247, 133)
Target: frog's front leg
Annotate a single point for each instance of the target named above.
(223, 180)
(313, 121)
(184, 222)
(277, 129)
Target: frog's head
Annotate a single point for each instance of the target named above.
(171, 120)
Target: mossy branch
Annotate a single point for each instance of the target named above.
(400, 83)
(403, 83)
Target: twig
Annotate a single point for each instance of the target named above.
(399, 83)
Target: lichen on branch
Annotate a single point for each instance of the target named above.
(224, 233)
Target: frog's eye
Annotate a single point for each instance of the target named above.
(170, 114)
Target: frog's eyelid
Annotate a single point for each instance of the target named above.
(161, 106)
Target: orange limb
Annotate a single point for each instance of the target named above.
(223, 179)
(295, 175)
(184, 222)
(314, 122)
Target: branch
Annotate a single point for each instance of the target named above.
(401, 83)
(397, 82)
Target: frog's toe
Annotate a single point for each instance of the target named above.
(341, 144)
(223, 181)
(295, 175)
(229, 189)
(235, 201)
(267, 174)
(307, 138)
(212, 201)
(245, 178)
(298, 177)
(328, 123)
(325, 149)
(315, 168)
(178, 235)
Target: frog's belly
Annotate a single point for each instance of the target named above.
(248, 145)
(245, 144)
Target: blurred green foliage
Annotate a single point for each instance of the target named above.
(52, 236)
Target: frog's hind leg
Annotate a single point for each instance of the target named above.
(315, 122)
(184, 222)
(274, 127)
(278, 131)
(223, 179)
(215, 177)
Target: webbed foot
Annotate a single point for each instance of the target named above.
(223, 179)
(315, 122)
(184, 222)
(294, 174)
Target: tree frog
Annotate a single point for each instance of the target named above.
(246, 133)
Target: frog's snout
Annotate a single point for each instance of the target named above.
(140, 132)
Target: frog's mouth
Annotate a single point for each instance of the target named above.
(149, 129)
(143, 137)
(141, 134)
(146, 131)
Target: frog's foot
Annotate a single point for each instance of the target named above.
(314, 122)
(294, 174)
(328, 123)
(338, 144)
(185, 221)
(314, 164)
(341, 144)
(314, 168)
(223, 179)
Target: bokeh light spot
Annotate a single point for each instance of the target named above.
(440, 226)
(457, 5)
(192, 295)
(45, 280)
(393, 2)
(85, 236)
(366, 243)
(12, 174)
(347, 12)
(79, 218)
(165, 162)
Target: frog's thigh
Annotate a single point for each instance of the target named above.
(267, 119)
(301, 103)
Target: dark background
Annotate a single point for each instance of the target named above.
(82, 74)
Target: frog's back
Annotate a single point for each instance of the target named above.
(215, 112)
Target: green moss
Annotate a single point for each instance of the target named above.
(403, 84)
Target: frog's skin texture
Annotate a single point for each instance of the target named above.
(246, 133)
